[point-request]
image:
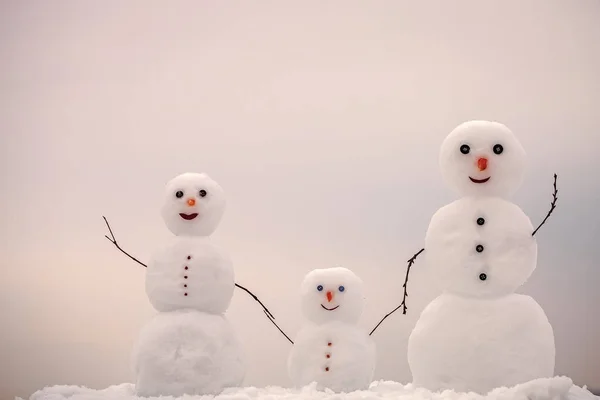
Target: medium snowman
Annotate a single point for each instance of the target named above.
(189, 347)
(479, 334)
(331, 349)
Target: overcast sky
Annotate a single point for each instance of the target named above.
(321, 120)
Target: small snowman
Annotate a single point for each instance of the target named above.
(479, 334)
(331, 349)
(189, 347)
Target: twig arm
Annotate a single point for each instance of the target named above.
(114, 241)
(411, 261)
(277, 326)
(265, 309)
(552, 206)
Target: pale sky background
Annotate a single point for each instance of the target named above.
(321, 120)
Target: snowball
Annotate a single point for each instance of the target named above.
(193, 205)
(505, 170)
(508, 252)
(210, 278)
(345, 290)
(187, 352)
(557, 388)
(344, 366)
(477, 345)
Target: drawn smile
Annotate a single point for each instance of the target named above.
(329, 309)
(188, 216)
(480, 180)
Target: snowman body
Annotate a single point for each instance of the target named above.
(337, 355)
(187, 352)
(190, 273)
(331, 349)
(477, 345)
(189, 347)
(479, 334)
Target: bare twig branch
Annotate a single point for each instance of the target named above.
(114, 241)
(265, 309)
(411, 261)
(277, 326)
(552, 206)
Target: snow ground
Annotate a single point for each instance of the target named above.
(557, 388)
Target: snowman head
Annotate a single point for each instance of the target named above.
(332, 294)
(482, 158)
(193, 205)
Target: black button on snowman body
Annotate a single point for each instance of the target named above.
(479, 248)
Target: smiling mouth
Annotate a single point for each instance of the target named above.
(188, 216)
(480, 180)
(329, 309)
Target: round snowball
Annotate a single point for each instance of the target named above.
(477, 345)
(500, 174)
(344, 366)
(480, 247)
(190, 273)
(345, 305)
(187, 352)
(192, 194)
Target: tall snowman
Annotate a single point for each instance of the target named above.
(331, 349)
(478, 334)
(189, 347)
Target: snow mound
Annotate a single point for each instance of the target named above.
(557, 388)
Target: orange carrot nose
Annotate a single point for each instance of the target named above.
(482, 163)
(329, 296)
(191, 202)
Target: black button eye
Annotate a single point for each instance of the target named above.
(498, 149)
(482, 277)
(479, 248)
(480, 221)
(202, 193)
(465, 149)
(179, 194)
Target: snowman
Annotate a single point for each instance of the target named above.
(479, 334)
(331, 349)
(189, 347)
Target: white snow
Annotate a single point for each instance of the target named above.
(204, 282)
(471, 344)
(508, 254)
(505, 170)
(187, 351)
(210, 207)
(331, 349)
(557, 388)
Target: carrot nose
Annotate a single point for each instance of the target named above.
(191, 202)
(482, 163)
(329, 296)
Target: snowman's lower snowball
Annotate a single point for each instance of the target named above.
(187, 352)
(337, 355)
(468, 344)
